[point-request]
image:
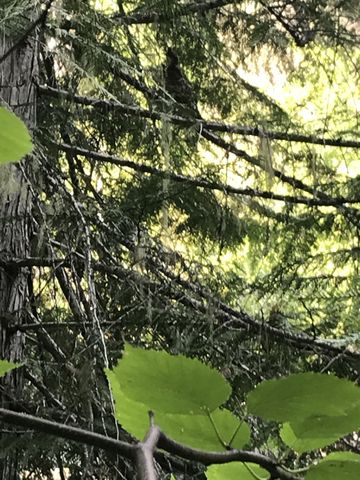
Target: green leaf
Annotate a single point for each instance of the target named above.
(168, 383)
(197, 431)
(133, 416)
(336, 466)
(303, 444)
(194, 430)
(296, 397)
(236, 471)
(15, 141)
(6, 367)
(319, 431)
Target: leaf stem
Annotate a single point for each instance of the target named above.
(226, 446)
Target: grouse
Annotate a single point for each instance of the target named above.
(179, 87)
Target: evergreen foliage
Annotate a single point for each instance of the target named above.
(138, 233)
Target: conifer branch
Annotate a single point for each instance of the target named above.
(136, 18)
(220, 127)
(210, 185)
(223, 312)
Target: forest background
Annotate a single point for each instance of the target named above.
(194, 187)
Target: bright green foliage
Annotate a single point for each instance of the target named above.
(131, 414)
(318, 409)
(336, 466)
(305, 442)
(182, 392)
(15, 141)
(194, 430)
(198, 431)
(303, 395)
(170, 384)
(6, 367)
(236, 471)
(320, 430)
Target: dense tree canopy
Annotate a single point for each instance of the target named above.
(194, 187)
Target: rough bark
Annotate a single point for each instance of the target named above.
(17, 92)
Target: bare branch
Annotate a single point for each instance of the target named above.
(154, 438)
(145, 452)
(71, 433)
(212, 458)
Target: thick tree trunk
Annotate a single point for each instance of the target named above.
(18, 93)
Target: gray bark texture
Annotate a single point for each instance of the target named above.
(18, 93)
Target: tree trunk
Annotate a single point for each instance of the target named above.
(18, 93)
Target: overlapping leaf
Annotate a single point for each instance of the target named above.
(15, 141)
(169, 383)
(318, 431)
(198, 431)
(303, 395)
(304, 443)
(133, 416)
(336, 466)
(237, 471)
(182, 392)
(193, 430)
(317, 409)
(6, 367)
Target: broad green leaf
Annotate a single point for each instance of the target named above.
(197, 431)
(194, 430)
(303, 395)
(319, 431)
(6, 367)
(15, 141)
(303, 444)
(336, 466)
(132, 416)
(321, 425)
(236, 471)
(169, 383)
